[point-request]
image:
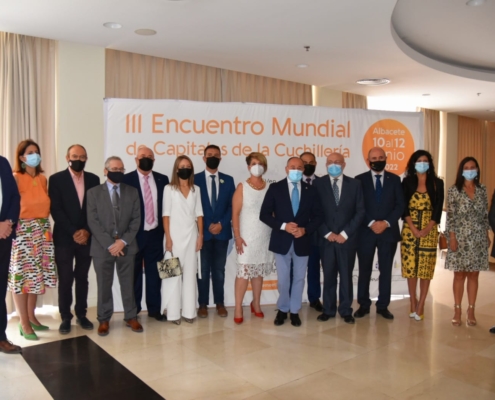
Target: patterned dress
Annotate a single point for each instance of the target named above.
(419, 255)
(256, 260)
(32, 261)
(468, 219)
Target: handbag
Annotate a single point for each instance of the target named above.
(442, 241)
(168, 268)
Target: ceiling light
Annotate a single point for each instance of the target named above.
(112, 25)
(426, 94)
(491, 110)
(302, 65)
(475, 3)
(373, 81)
(145, 32)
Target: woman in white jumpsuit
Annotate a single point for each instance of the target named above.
(183, 224)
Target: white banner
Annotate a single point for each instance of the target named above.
(174, 127)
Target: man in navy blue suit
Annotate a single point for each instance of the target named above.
(10, 208)
(150, 186)
(292, 209)
(343, 210)
(384, 204)
(217, 190)
(71, 235)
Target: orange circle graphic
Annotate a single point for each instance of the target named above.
(393, 137)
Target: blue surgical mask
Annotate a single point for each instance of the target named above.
(33, 160)
(334, 170)
(422, 166)
(469, 174)
(295, 175)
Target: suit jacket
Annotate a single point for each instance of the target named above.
(277, 210)
(132, 179)
(101, 219)
(435, 191)
(491, 218)
(67, 213)
(11, 200)
(347, 216)
(390, 208)
(223, 209)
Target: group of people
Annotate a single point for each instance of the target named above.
(294, 226)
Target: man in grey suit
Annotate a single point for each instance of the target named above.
(114, 217)
(343, 209)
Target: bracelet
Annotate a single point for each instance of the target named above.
(238, 237)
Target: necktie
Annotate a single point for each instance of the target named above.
(308, 180)
(213, 192)
(295, 199)
(149, 209)
(116, 208)
(336, 191)
(378, 188)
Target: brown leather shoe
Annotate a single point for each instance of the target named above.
(103, 328)
(8, 347)
(134, 325)
(222, 311)
(202, 311)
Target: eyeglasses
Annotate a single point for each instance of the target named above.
(116, 170)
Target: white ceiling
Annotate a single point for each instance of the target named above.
(349, 39)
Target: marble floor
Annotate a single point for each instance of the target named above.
(374, 359)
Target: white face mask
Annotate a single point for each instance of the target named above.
(257, 170)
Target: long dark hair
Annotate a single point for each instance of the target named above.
(459, 180)
(21, 149)
(411, 170)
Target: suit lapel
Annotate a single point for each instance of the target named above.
(285, 189)
(329, 190)
(72, 188)
(204, 191)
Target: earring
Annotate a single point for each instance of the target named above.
(23, 166)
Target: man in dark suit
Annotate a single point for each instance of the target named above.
(384, 204)
(217, 190)
(343, 210)
(114, 217)
(314, 262)
(292, 209)
(150, 185)
(67, 190)
(10, 208)
(491, 218)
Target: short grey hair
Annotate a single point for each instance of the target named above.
(112, 158)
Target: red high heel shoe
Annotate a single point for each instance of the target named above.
(258, 314)
(238, 321)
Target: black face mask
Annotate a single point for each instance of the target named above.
(115, 177)
(212, 162)
(184, 173)
(378, 166)
(309, 169)
(146, 164)
(77, 165)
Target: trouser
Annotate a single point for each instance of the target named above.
(5, 248)
(213, 258)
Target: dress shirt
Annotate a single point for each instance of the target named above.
(208, 183)
(110, 191)
(339, 178)
(312, 177)
(373, 174)
(154, 195)
(79, 184)
(291, 188)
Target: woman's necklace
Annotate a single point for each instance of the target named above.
(256, 187)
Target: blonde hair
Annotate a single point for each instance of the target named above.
(257, 156)
(175, 178)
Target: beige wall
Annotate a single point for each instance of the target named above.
(323, 97)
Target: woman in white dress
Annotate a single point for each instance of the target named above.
(183, 224)
(254, 260)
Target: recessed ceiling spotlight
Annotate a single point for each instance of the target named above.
(426, 94)
(475, 3)
(112, 25)
(491, 110)
(145, 32)
(374, 81)
(302, 65)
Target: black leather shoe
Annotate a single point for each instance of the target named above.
(316, 305)
(385, 313)
(64, 328)
(158, 317)
(361, 312)
(324, 317)
(349, 319)
(295, 320)
(492, 329)
(85, 323)
(280, 318)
